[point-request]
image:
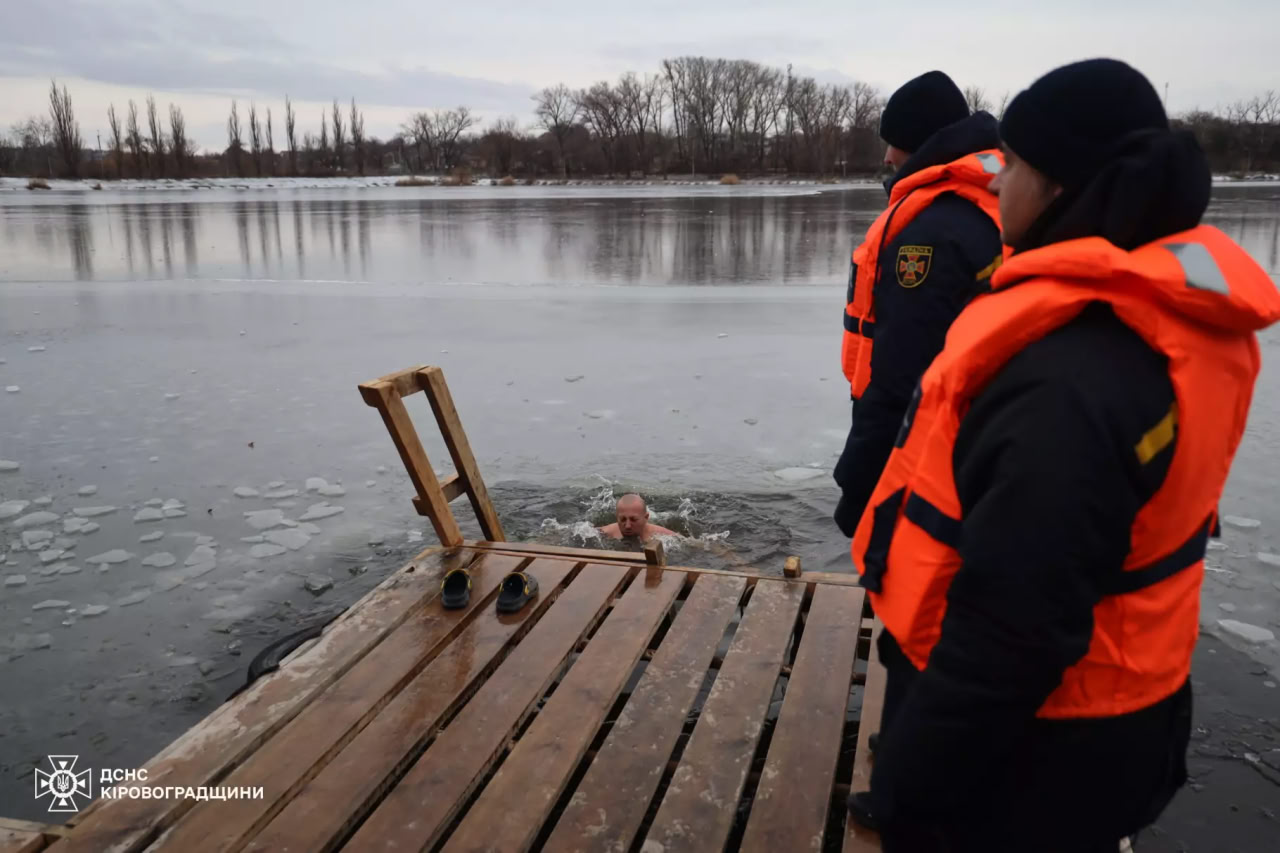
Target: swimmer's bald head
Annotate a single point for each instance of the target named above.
(632, 515)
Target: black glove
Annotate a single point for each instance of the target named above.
(860, 810)
(845, 517)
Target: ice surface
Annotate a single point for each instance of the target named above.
(315, 484)
(12, 389)
(174, 513)
(8, 465)
(245, 492)
(334, 491)
(112, 557)
(1241, 522)
(1245, 631)
(44, 501)
(321, 510)
(154, 502)
(201, 554)
(9, 509)
(265, 519)
(266, 549)
(51, 604)
(94, 610)
(280, 494)
(86, 491)
(35, 348)
(35, 519)
(52, 555)
(316, 584)
(136, 598)
(148, 513)
(15, 580)
(293, 539)
(1270, 559)
(32, 538)
(153, 536)
(798, 475)
(93, 511)
(161, 560)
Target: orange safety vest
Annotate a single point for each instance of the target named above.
(968, 178)
(1197, 298)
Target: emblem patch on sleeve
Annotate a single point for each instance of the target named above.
(913, 265)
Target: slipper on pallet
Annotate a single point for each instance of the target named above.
(455, 590)
(518, 589)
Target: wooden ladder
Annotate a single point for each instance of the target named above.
(387, 394)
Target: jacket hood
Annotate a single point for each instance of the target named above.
(978, 132)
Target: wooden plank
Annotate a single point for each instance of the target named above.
(405, 382)
(388, 403)
(856, 838)
(281, 765)
(598, 556)
(698, 810)
(344, 792)
(16, 825)
(514, 805)
(593, 555)
(790, 808)
(612, 798)
(455, 438)
(207, 751)
(20, 841)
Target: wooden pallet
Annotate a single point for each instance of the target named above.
(630, 706)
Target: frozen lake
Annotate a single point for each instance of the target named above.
(193, 356)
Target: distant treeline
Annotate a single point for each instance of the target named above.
(696, 115)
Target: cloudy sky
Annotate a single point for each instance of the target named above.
(397, 56)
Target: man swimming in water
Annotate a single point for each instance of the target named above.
(633, 521)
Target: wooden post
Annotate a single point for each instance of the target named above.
(654, 555)
(455, 438)
(791, 568)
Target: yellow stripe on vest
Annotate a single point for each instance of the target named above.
(1158, 437)
(989, 270)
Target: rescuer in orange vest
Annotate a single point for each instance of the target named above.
(1035, 546)
(922, 259)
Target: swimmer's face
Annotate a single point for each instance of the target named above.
(632, 519)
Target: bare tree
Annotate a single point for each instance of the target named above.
(271, 146)
(235, 145)
(178, 142)
(255, 138)
(290, 132)
(324, 139)
(157, 138)
(557, 111)
(66, 130)
(339, 139)
(357, 136)
(117, 139)
(602, 111)
(976, 98)
(501, 141)
(133, 138)
(35, 136)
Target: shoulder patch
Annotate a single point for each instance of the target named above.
(913, 265)
(990, 269)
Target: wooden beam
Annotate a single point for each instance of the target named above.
(404, 381)
(388, 403)
(455, 438)
(791, 568)
(654, 555)
(597, 556)
(790, 807)
(856, 838)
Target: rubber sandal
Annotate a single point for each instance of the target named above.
(518, 589)
(455, 590)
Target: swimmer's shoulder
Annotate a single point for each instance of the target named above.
(611, 530)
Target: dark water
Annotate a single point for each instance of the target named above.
(681, 342)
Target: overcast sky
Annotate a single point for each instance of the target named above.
(398, 56)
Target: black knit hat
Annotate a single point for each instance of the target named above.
(920, 109)
(1069, 123)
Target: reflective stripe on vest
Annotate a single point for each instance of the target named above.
(968, 178)
(1196, 298)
